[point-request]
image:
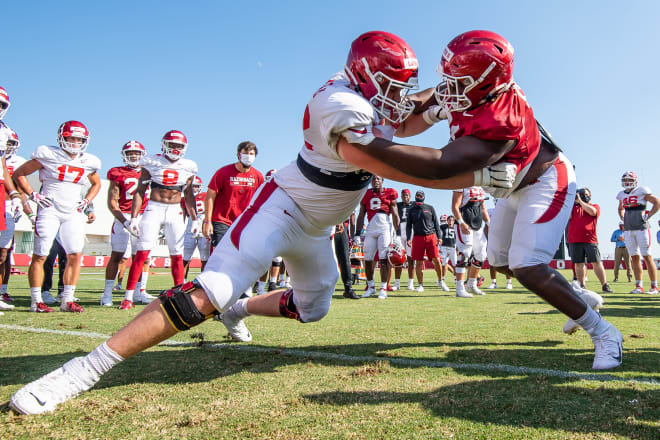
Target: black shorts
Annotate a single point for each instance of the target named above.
(219, 231)
(581, 252)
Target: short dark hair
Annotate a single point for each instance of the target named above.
(247, 145)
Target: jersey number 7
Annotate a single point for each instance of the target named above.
(68, 169)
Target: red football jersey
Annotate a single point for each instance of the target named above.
(378, 202)
(509, 117)
(127, 178)
(199, 204)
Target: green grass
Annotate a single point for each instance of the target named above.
(371, 369)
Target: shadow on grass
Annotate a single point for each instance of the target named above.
(536, 401)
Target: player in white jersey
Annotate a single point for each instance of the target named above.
(169, 173)
(62, 171)
(633, 211)
(293, 215)
(12, 215)
(196, 240)
(470, 212)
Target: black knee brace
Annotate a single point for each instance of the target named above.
(475, 263)
(287, 308)
(276, 264)
(180, 309)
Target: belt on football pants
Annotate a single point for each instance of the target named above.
(351, 181)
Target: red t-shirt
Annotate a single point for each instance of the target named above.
(233, 192)
(582, 226)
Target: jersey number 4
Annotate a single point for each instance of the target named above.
(68, 169)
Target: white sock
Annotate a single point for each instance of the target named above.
(370, 283)
(103, 358)
(494, 281)
(460, 285)
(653, 284)
(273, 279)
(288, 280)
(67, 293)
(3, 288)
(35, 295)
(107, 289)
(239, 308)
(592, 322)
(383, 286)
(639, 283)
(143, 281)
(262, 286)
(129, 294)
(472, 282)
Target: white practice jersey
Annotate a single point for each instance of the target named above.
(472, 194)
(62, 177)
(635, 205)
(335, 110)
(165, 172)
(13, 163)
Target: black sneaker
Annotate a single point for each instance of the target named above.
(607, 288)
(350, 294)
(272, 286)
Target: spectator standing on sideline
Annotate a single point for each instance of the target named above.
(403, 207)
(343, 258)
(230, 191)
(447, 248)
(424, 228)
(583, 240)
(621, 253)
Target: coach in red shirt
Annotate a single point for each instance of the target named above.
(229, 192)
(582, 239)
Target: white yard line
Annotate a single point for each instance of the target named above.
(408, 362)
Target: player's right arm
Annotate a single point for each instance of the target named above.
(138, 196)
(20, 175)
(113, 202)
(359, 222)
(209, 201)
(622, 210)
(456, 199)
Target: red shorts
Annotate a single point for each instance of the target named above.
(424, 244)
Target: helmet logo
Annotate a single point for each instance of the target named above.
(410, 63)
(447, 54)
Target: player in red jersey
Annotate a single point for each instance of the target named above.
(123, 183)
(196, 239)
(490, 122)
(378, 204)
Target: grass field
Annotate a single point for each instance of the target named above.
(415, 366)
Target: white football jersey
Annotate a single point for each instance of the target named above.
(12, 164)
(62, 177)
(165, 172)
(634, 197)
(472, 194)
(333, 110)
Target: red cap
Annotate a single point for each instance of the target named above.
(405, 191)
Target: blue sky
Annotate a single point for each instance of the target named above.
(224, 72)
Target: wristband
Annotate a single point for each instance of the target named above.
(460, 221)
(14, 193)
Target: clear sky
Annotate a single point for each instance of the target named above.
(223, 72)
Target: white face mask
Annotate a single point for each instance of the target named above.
(247, 159)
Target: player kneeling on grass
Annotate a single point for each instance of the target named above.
(293, 215)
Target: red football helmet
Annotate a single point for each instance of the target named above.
(73, 129)
(197, 185)
(474, 66)
(269, 175)
(629, 180)
(443, 218)
(12, 143)
(131, 146)
(4, 102)
(174, 144)
(396, 254)
(384, 69)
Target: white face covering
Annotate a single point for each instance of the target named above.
(247, 159)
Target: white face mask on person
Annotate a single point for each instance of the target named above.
(247, 159)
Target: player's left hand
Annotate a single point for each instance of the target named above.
(16, 208)
(82, 205)
(499, 175)
(196, 228)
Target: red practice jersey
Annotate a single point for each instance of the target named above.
(127, 179)
(509, 117)
(378, 202)
(233, 192)
(199, 204)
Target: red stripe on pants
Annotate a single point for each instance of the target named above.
(560, 194)
(242, 222)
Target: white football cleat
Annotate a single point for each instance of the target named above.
(652, 291)
(493, 285)
(370, 291)
(444, 286)
(474, 289)
(106, 300)
(143, 298)
(44, 394)
(637, 289)
(509, 285)
(235, 326)
(411, 285)
(47, 298)
(609, 349)
(382, 294)
(419, 289)
(5, 306)
(463, 294)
